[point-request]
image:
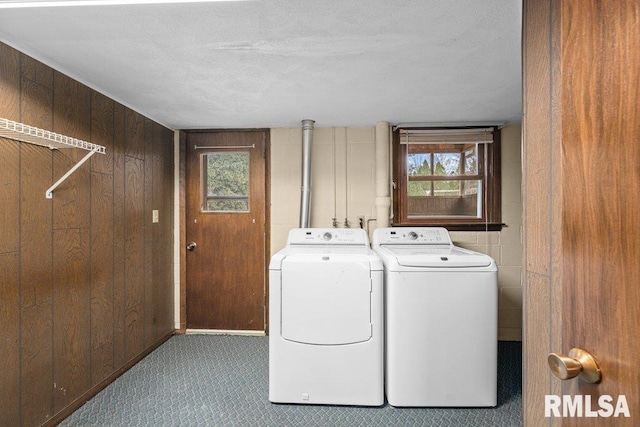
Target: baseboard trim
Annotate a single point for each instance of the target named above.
(225, 332)
(84, 398)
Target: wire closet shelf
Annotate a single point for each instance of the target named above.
(33, 135)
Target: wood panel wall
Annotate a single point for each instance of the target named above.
(87, 278)
(542, 203)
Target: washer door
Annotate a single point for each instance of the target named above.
(326, 299)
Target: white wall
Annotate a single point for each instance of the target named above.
(343, 186)
(342, 178)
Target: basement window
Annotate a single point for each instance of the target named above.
(448, 177)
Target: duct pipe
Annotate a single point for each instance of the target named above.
(307, 141)
(383, 200)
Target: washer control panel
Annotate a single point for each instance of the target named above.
(328, 236)
(411, 236)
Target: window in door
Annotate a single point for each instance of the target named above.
(447, 177)
(225, 182)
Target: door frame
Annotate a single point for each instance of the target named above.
(181, 141)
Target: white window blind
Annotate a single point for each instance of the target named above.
(446, 136)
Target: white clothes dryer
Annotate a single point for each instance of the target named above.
(441, 320)
(326, 319)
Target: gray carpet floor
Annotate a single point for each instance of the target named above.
(205, 380)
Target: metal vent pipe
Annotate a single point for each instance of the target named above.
(307, 141)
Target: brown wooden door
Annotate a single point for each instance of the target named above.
(582, 198)
(225, 218)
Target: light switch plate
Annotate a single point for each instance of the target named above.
(156, 216)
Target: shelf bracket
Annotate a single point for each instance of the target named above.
(49, 193)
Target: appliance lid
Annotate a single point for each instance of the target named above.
(327, 254)
(437, 256)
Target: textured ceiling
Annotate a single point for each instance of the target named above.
(272, 63)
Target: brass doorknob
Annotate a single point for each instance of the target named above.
(578, 362)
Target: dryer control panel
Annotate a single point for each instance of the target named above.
(411, 236)
(328, 236)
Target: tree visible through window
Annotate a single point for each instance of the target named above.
(447, 177)
(225, 182)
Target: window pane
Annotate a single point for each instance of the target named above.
(471, 161)
(450, 199)
(419, 164)
(446, 164)
(419, 188)
(446, 188)
(470, 187)
(226, 182)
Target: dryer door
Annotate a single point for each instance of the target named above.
(326, 299)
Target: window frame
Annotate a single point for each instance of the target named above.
(491, 183)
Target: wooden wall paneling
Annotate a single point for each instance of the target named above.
(72, 312)
(71, 117)
(71, 200)
(10, 109)
(102, 131)
(537, 135)
(37, 286)
(149, 249)
(37, 364)
(102, 292)
(36, 72)
(102, 239)
(71, 247)
(35, 177)
(536, 375)
(10, 196)
(134, 257)
(158, 264)
(10, 342)
(134, 125)
(163, 233)
(9, 83)
(36, 98)
(72, 107)
(119, 306)
(10, 381)
(73, 297)
(36, 109)
(538, 204)
(167, 173)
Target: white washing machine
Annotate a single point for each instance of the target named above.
(326, 319)
(441, 320)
